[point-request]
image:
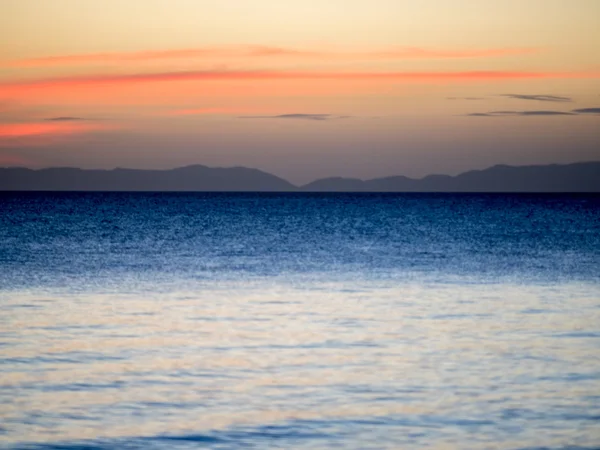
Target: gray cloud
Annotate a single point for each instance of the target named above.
(587, 111)
(298, 117)
(540, 98)
(544, 113)
(521, 113)
(64, 119)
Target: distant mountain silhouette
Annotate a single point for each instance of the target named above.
(578, 177)
(190, 178)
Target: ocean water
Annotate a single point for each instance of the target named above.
(310, 321)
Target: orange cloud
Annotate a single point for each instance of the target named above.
(233, 75)
(36, 134)
(264, 52)
(18, 130)
(183, 88)
(123, 57)
(172, 95)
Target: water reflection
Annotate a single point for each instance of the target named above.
(438, 365)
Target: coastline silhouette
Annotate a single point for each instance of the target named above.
(577, 177)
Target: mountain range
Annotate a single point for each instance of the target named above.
(577, 177)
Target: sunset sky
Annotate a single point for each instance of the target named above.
(361, 88)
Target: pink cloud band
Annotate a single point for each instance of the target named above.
(282, 75)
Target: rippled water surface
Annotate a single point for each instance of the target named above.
(181, 321)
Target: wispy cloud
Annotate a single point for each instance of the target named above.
(298, 116)
(540, 98)
(258, 51)
(64, 119)
(19, 130)
(521, 113)
(574, 112)
(248, 75)
(587, 111)
(157, 55)
(543, 113)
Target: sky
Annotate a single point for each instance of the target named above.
(301, 89)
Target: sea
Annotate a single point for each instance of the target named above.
(299, 321)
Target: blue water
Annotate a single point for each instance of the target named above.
(314, 321)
